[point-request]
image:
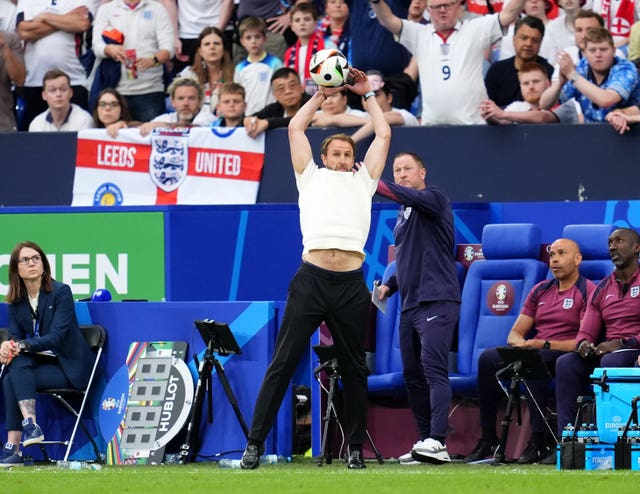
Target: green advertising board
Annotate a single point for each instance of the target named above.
(120, 251)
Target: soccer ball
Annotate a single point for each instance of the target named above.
(329, 68)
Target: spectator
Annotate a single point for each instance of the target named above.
(334, 27)
(451, 81)
(186, 97)
(394, 116)
(535, 8)
(148, 45)
(334, 112)
(534, 80)
(46, 349)
(112, 113)
(49, 31)
(549, 320)
(303, 23)
(503, 86)
(561, 30)
(62, 115)
(609, 334)
(416, 11)
(12, 73)
(600, 82)
(329, 286)
(193, 18)
(290, 97)
(430, 294)
(277, 22)
(254, 72)
(231, 106)
(212, 66)
(584, 20)
(374, 48)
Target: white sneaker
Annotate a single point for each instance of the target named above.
(430, 451)
(407, 459)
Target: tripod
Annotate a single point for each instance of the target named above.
(523, 364)
(220, 340)
(331, 415)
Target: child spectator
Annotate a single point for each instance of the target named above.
(231, 106)
(303, 22)
(254, 72)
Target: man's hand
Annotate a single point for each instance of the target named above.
(609, 346)
(618, 121)
(360, 80)
(586, 349)
(565, 63)
(383, 292)
(255, 126)
(490, 111)
(279, 24)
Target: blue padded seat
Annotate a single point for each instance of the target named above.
(594, 244)
(511, 267)
(387, 379)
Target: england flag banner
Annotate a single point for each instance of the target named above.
(170, 166)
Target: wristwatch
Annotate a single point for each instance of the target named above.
(22, 345)
(547, 345)
(156, 62)
(574, 78)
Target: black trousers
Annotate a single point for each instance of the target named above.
(341, 300)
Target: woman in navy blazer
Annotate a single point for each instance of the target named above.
(46, 350)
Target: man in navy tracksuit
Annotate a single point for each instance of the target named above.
(426, 278)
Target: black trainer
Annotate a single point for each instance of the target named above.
(484, 449)
(533, 453)
(251, 456)
(355, 462)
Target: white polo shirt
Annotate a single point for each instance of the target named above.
(451, 80)
(77, 119)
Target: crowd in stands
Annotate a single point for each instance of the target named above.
(469, 73)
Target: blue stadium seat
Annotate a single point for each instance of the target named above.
(493, 294)
(387, 379)
(594, 245)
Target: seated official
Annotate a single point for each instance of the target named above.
(554, 308)
(46, 350)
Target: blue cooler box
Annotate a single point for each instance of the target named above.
(613, 406)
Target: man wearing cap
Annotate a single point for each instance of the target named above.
(394, 116)
(450, 54)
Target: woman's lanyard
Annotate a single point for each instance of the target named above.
(36, 322)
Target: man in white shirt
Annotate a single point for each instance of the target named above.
(186, 97)
(49, 29)
(62, 115)
(450, 54)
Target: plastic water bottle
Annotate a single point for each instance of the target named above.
(77, 465)
(567, 433)
(594, 436)
(271, 459)
(228, 463)
(582, 433)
